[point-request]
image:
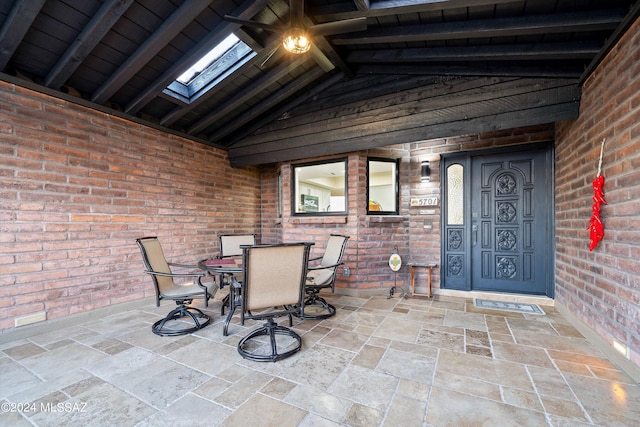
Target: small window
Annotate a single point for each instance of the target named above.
(320, 188)
(382, 188)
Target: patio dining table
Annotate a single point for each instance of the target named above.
(225, 267)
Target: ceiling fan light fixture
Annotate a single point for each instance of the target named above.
(296, 41)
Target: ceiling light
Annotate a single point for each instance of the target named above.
(296, 41)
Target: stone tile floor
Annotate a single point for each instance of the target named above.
(379, 362)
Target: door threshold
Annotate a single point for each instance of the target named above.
(498, 296)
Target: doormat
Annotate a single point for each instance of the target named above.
(517, 307)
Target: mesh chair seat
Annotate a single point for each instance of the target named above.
(319, 277)
(188, 290)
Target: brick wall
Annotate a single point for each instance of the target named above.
(602, 287)
(78, 186)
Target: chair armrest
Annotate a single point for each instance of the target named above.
(174, 264)
(198, 274)
(323, 267)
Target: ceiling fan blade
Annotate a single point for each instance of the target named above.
(296, 13)
(267, 27)
(321, 59)
(270, 55)
(337, 27)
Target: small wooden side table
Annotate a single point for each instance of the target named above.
(412, 275)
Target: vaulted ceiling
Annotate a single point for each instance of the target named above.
(421, 69)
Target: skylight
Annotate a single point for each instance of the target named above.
(213, 55)
(211, 69)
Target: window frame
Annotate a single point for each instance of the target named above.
(396, 183)
(295, 189)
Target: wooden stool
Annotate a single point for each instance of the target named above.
(412, 274)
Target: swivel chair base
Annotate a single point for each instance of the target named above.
(270, 329)
(320, 305)
(200, 320)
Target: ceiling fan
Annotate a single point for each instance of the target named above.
(296, 36)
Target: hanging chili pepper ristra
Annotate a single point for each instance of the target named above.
(596, 227)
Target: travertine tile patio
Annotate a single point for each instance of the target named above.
(378, 362)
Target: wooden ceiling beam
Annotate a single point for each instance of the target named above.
(150, 48)
(534, 51)
(16, 26)
(248, 118)
(248, 9)
(503, 27)
(283, 110)
(245, 94)
(91, 35)
(546, 70)
(352, 91)
(346, 10)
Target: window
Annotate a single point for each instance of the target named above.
(382, 188)
(320, 188)
(229, 55)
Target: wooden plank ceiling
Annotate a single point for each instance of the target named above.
(422, 69)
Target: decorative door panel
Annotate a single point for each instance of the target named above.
(507, 221)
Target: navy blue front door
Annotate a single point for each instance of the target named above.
(501, 239)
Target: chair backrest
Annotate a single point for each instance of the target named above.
(334, 250)
(274, 275)
(231, 244)
(154, 260)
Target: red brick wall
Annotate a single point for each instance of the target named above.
(603, 287)
(78, 186)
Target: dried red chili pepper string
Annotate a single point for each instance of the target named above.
(596, 227)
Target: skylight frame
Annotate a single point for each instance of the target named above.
(224, 59)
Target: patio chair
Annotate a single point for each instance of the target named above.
(273, 287)
(231, 246)
(323, 276)
(183, 294)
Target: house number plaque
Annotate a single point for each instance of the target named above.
(425, 201)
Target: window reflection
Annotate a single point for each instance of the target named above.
(320, 188)
(382, 186)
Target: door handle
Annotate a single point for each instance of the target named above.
(474, 234)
